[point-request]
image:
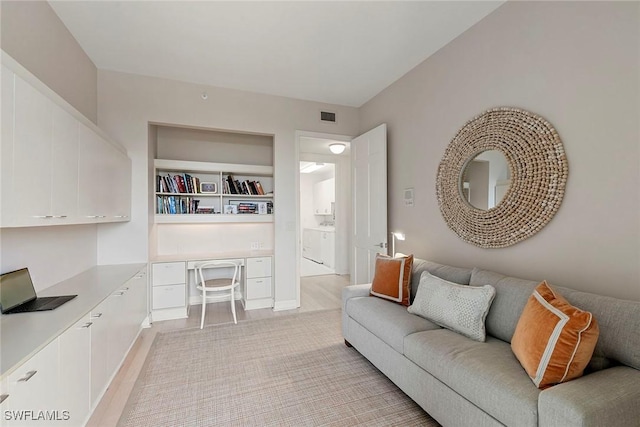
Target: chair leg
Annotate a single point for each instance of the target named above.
(204, 305)
(233, 306)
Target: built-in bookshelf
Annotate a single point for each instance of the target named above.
(189, 191)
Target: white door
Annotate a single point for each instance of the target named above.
(369, 190)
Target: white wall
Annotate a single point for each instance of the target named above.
(577, 65)
(128, 103)
(52, 254)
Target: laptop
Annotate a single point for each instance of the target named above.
(17, 294)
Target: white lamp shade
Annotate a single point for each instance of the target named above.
(337, 148)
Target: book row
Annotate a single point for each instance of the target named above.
(234, 186)
(181, 183)
(179, 205)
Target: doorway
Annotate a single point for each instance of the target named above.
(324, 210)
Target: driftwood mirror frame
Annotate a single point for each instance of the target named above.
(539, 172)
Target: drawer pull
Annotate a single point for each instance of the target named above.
(87, 325)
(118, 294)
(3, 397)
(27, 377)
(42, 216)
(96, 315)
(59, 216)
(125, 289)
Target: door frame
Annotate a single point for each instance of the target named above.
(308, 134)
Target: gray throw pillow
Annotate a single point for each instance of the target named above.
(459, 308)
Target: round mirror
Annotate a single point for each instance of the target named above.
(509, 210)
(485, 179)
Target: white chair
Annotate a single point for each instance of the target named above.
(226, 285)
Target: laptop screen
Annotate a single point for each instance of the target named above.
(16, 288)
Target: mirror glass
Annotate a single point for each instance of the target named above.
(485, 179)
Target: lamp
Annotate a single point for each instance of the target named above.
(337, 148)
(395, 235)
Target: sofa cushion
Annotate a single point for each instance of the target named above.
(458, 275)
(619, 323)
(486, 374)
(553, 340)
(389, 322)
(456, 307)
(392, 278)
(512, 295)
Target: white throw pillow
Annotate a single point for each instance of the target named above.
(460, 308)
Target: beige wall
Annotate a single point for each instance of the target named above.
(32, 33)
(127, 103)
(577, 65)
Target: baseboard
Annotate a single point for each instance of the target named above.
(285, 305)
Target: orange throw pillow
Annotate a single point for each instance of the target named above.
(392, 278)
(553, 340)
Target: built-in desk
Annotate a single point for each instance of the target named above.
(173, 281)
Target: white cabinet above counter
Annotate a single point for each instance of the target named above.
(57, 168)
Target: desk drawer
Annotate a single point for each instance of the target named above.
(168, 273)
(259, 288)
(259, 267)
(169, 296)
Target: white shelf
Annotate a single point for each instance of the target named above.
(215, 173)
(210, 218)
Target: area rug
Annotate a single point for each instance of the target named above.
(291, 370)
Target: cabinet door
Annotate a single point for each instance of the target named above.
(32, 159)
(6, 148)
(121, 178)
(92, 182)
(75, 372)
(64, 172)
(119, 329)
(33, 387)
(100, 318)
(327, 247)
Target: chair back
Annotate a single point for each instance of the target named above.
(217, 264)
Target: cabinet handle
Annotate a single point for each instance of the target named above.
(121, 216)
(96, 316)
(118, 294)
(87, 325)
(59, 216)
(27, 376)
(96, 216)
(42, 216)
(3, 397)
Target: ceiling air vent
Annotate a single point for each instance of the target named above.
(326, 116)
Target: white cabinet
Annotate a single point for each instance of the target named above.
(311, 245)
(258, 292)
(55, 169)
(34, 386)
(115, 325)
(75, 372)
(327, 248)
(324, 196)
(100, 318)
(169, 290)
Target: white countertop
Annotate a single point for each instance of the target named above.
(209, 255)
(325, 228)
(24, 334)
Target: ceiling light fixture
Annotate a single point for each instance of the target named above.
(337, 148)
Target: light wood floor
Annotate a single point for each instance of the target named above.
(316, 293)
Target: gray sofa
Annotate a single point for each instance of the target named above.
(461, 382)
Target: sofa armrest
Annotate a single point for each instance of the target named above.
(598, 399)
(348, 292)
(354, 291)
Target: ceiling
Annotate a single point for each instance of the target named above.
(342, 52)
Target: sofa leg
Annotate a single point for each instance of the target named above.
(347, 343)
